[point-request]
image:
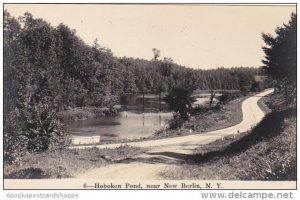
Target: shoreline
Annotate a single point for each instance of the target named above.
(248, 122)
(99, 156)
(84, 113)
(158, 134)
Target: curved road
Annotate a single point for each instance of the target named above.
(147, 166)
(252, 114)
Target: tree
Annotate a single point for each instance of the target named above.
(281, 56)
(48, 69)
(166, 67)
(225, 98)
(180, 100)
(229, 96)
(212, 96)
(32, 85)
(156, 53)
(255, 87)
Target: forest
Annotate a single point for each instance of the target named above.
(48, 69)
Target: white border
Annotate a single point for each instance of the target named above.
(128, 194)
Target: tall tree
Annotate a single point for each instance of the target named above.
(156, 53)
(281, 55)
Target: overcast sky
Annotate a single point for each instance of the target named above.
(198, 36)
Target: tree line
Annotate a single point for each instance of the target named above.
(162, 75)
(48, 69)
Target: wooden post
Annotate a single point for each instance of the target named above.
(143, 102)
(159, 120)
(159, 102)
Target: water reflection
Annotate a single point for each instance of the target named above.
(125, 125)
(131, 122)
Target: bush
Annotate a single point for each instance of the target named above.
(204, 109)
(42, 128)
(180, 101)
(14, 141)
(256, 87)
(34, 128)
(229, 96)
(29, 173)
(176, 122)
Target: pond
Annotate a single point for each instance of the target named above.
(131, 122)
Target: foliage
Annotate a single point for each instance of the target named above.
(281, 57)
(180, 101)
(256, 87)
(14, 142)
(212, 96)
(156, 53)
(32, 88)
(50, 69)
(266, 153)
(162, 75)
(67, 163)
(229, 96)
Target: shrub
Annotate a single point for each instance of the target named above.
(180, 101)
(32, 129)
(256, 87)
(14, 141)
(176, 122)
(229, 96)
(42, 128)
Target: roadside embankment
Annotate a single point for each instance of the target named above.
(267, 152)
(67, 162)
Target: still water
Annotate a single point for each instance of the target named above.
(131, 122)
(125, 125)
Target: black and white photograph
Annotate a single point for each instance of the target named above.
(149, 96)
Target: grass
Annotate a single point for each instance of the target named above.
(228, 115)
(268, 152)
(262, 103)
(68, 162)
(217, 145)
(215, 119)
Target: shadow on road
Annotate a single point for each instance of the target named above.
(269, 127)
(157, 158)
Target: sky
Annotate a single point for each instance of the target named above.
(197, 36)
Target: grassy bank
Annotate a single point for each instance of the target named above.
(68, 162)
(268, 152)
(263, 103)
(214, 119)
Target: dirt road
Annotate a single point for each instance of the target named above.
(148, 165)
(252, 114)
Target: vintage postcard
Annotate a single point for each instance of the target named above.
(149, 96)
